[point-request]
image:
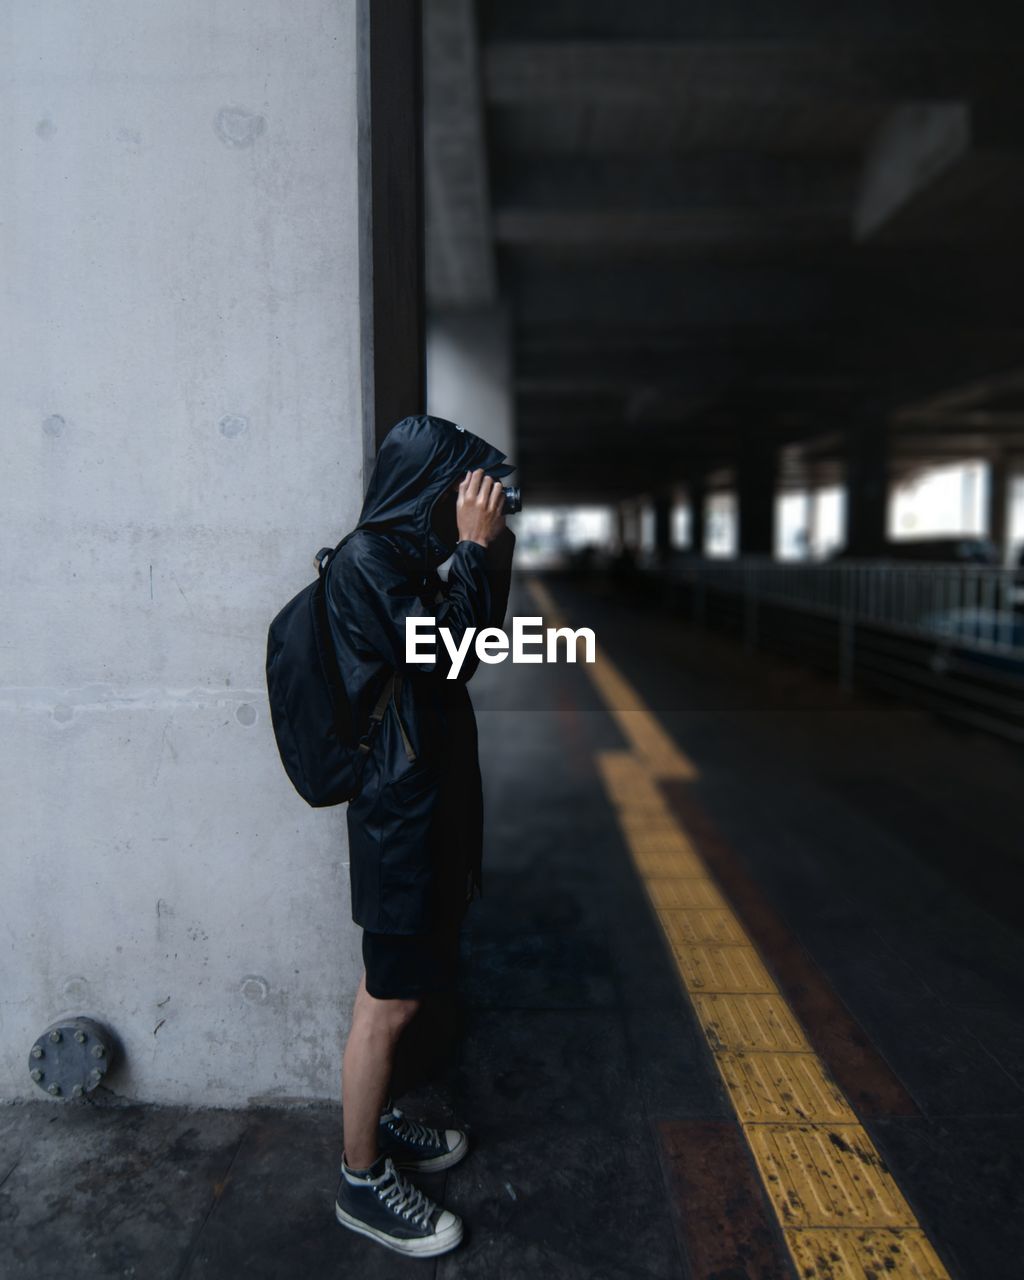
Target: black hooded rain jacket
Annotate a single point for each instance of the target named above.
(416, 828)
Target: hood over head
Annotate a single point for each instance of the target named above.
(418, 460)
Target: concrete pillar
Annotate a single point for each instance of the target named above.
(755, 492)
(185, 409)
(469, 374)
(621, 527)
(628, 516)
(999, 503)
(867, 484)
(393, 75)
(697, 487)
(663, 503)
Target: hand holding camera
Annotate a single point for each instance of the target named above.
(480, 508)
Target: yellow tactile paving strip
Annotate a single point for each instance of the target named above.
(836, 1255)
(782, 1088)
(723, 970)
(827, 1175)
(842, 1215)
(683, 893)
(747, 1023)
(689, 925)
(649, 741)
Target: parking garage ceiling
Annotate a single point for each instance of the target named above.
(716, 223)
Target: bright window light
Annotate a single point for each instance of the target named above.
(941, 500)
(546, 535)
(647, 530)
(793, 516)
(722, 535)
(681, 534)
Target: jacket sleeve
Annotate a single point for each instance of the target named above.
(383, 598)
(499, 572)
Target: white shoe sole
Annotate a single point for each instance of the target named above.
(435, 1163)
(417, 1247)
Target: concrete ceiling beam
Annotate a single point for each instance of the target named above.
(653, 231)
(868, 20)
(724, 73)
(691, 181)
(973, 395)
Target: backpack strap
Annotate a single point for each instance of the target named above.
(324, 555)
(393, 686)
(410, 755)
(377, 714)
(392, 691)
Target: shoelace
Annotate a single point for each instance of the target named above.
(411, 1130)
(402, 1197)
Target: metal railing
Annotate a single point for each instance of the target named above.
(972, 607)
(947, 637)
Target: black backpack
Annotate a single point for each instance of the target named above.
(320, 746)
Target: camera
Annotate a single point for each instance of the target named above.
(513, 499)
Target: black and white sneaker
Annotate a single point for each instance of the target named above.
(378, 1202)
(412, 1145)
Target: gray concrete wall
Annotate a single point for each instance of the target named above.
(469, 374)
(183, 414)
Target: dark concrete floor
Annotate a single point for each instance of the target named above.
(887, 843)
(892, 845)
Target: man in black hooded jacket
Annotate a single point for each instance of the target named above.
(415, 830)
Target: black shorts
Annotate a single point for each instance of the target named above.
(410, 964)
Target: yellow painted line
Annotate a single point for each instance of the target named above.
(842, 1215)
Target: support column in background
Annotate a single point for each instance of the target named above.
(469, 374)
(755, 492)
(395, 92)
(621, 528)
(663, 504)
(999, 504)
(867, 484)
(698, 495)
(628, 520)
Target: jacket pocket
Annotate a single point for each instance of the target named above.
(410, 790)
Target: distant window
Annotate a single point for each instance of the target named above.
(793, 516)
(828, 530)
(545, 535)
(1015, 519)
(681, 534)
(648, 536)
(721, 535)
(809, 523)
(941, 500)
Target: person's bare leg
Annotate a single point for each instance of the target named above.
(366, 1069)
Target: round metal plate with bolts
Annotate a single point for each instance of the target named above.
(71, 1057)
